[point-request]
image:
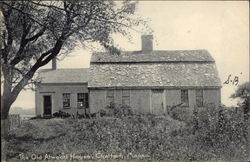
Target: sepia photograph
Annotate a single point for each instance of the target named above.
(125, 80)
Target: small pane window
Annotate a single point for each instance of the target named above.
(110, 97)
(199, 98)
(184, 97)
(66, 100)
(126, 97)
(82, 100)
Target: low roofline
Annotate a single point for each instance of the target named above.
(161, 50)
(66, 83)
(49, 69)
(157, 62)
(159, 87)
(160, 56)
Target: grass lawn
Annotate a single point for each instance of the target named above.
(106, 138)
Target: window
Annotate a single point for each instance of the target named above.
(66, 100)
(110, 97)
(199, 97)
(184, 97)
(126, 97)
(82, 100)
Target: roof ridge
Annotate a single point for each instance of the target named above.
(199, 55)
(96, 52)
(154, 62)
(69, 68)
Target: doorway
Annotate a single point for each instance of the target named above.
(157, 102)
(47, 105)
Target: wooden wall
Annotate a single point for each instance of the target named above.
(97, 100)
(173, 97)
(56, 91)
(212, 96)
(141, 100)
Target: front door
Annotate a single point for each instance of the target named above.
(47, 105)
(157, 102)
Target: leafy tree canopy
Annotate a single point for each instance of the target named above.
(35, 32)
(242, 93)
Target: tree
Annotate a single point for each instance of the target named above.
(35, 32)
(242, 93)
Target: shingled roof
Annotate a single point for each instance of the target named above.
(64, 75)
(153, 56)
(195, 68)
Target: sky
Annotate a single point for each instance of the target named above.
(221, 27)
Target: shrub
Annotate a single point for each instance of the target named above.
(36, 117)
(103, 112)
(181, 113)
(117, 110)
(218, 127)
(159, 137)
(61, 114)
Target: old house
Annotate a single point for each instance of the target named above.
(149, 81)
(62, 89)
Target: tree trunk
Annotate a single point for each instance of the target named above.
(3, 148)
(5, 107)
(4, 128)
(6, 102)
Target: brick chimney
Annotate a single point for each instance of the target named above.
(147, 43)
(54, 63)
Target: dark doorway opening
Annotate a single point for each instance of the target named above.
(47, 105)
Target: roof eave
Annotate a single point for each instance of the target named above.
(155, 87)
(63, 83)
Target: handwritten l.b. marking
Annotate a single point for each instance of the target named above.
(233, 81)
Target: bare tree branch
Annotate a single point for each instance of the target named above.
(20, 56)
(49, 6)
(37, 35)
(37, 31)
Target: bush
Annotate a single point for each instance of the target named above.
(103, 112)
(61, 114)
(157, 137)
(220, 128)
(36, 117)
(117, 110)
(181, 113)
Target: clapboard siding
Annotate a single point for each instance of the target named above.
(97, 100)
(56, 91)
(192, 98)
(212, 96)
(173, 97)
(140, 101)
